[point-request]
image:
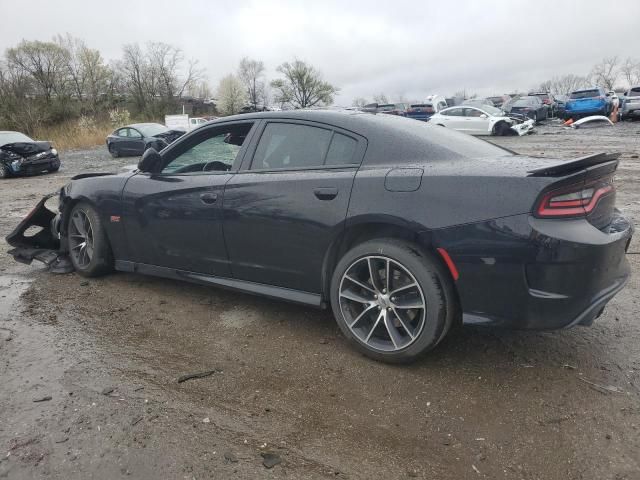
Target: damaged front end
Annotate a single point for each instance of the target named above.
(521, 124)
(38, 237)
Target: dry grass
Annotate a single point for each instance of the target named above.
(74, 134)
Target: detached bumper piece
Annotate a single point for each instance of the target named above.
(44, 245)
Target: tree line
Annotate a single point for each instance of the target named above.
(607, 74)
(43, 83)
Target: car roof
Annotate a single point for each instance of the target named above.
(388, 136)
(137, 125)
(9, 131)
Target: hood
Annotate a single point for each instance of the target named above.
(27, 148)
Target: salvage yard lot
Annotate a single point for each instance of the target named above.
(484, 404)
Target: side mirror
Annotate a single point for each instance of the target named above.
(483, 116)
(151, 161)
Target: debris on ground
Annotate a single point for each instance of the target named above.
(46, 398)
(270, 460)
(136, 420)
(191, 376)
(229, 457)
(602, 388)
(107, 390)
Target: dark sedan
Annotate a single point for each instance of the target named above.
(133, 140)
(531, 107)
(402, 228)
(21, 155)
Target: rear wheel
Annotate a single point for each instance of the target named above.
(89, 248)
(4, 171)
(391, 301)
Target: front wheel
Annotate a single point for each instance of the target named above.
(89, 248)
(113, 151)
(4, 171)
(391, 301)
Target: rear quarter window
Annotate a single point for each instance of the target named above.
(342, 150)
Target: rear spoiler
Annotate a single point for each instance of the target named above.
(574, 165)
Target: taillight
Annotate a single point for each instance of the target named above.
(575, 200)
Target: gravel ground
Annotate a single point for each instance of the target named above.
(105, 356)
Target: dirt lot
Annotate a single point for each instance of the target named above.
(486, 404)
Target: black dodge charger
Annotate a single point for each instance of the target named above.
(402, 228)
(20, 155)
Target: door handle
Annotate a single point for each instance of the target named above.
(326, 193)
(209, 198)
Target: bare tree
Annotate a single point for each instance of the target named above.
(231, 95)
(134, 71)
(359, 102)
(251, 73)
(380, 98)
(631, 71)
(44, 62)
(302, 86)
(606, 72)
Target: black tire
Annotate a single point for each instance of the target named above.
(433, 279)
(4, 171)
(501, 129)
(53, 169)
(113, 151)
(101, 259)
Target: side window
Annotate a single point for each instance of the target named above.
(123, 132)
(213, 150)
(472, 112)
(455, 112)
(341, 150)
(134, 133)
(289, 145)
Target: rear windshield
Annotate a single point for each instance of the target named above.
(523, 102)
(13, 137)
(634, 92)
(152, 129)
(585, 94)
(387, 106)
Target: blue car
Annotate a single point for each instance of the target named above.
(591, 101)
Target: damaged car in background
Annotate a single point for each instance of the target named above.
(338, 199)
(133, 140)
(21, 155)
(482, 120)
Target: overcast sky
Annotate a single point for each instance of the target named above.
(399, 47)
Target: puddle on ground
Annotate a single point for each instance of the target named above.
(11, 287)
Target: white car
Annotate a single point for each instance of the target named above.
(482, 120)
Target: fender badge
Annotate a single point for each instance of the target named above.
(115, 218)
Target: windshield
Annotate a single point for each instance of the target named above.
(496, 112)
(523, 102)
(585, 94)
(151, 129)
(13, 137)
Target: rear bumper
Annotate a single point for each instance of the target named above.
(538, 274)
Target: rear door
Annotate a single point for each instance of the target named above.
(173, 219)
(289, 201)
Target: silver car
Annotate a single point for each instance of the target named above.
(631, 105)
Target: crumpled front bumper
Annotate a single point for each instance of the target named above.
(46, 245)
(523, 128)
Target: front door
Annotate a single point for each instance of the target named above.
(288, 202)
(174, 218)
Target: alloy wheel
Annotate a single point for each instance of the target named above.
(382, 303)
(81, 238)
